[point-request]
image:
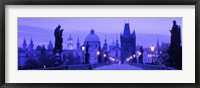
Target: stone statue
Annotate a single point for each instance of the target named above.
(175, 49)
(58, 39)
(175, 35)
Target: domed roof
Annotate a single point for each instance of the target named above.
(92, 37)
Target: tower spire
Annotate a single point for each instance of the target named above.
(92, 31)
(70, 43)
(157, 42)
(105, 38)
(31, 45)
(126, 29)
(105, 45)
(117, 44)
(134, 31)
(78, 43)
(24, 44)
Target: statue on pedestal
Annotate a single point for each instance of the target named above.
(58, 44)
(58, 39)
(175, 49)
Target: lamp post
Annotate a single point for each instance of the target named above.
(98, 53)
(83, 49)
(152, 49)
(104, 55)
(99, 57)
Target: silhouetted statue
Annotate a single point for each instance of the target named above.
(175, 49)
(141, 55)
(87, 55)
(175, 35)
(58, 39)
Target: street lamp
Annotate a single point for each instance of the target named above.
(83, 49)
(98, 53)
(104, 55)
(152, 49)
(134, 55)
(139, 53)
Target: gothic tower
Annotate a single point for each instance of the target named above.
(104, 49)
(157, 46)
(31, 45)
(117, 51)
(78, 44)
(128, 43)
(24, 44)
(70, 43)
(105, 46)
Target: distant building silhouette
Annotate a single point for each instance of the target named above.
(70, 43)
(24, 44)
(114, 50)
(77, 44)
(50, 46)
(128, 43)
(31, 45)
(104, 49)
(94, 43)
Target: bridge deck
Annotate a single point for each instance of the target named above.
(118, 67)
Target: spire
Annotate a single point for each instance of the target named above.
(126, 29)
(157, 43)
(31, 42)
(105, 45)
(70, 37)
(117, 44)
(133, 32)
(105, 38)
(78, 44)
(92, 31)
(77, 40)
(31, 45)
(24, 44)
(70, 43)
(117, 39)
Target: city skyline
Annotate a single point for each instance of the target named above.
(28, 28)
(151, 42)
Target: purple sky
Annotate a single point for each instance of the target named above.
(148, 30)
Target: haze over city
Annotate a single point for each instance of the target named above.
(148, 30)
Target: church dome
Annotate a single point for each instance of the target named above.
(92, 37)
